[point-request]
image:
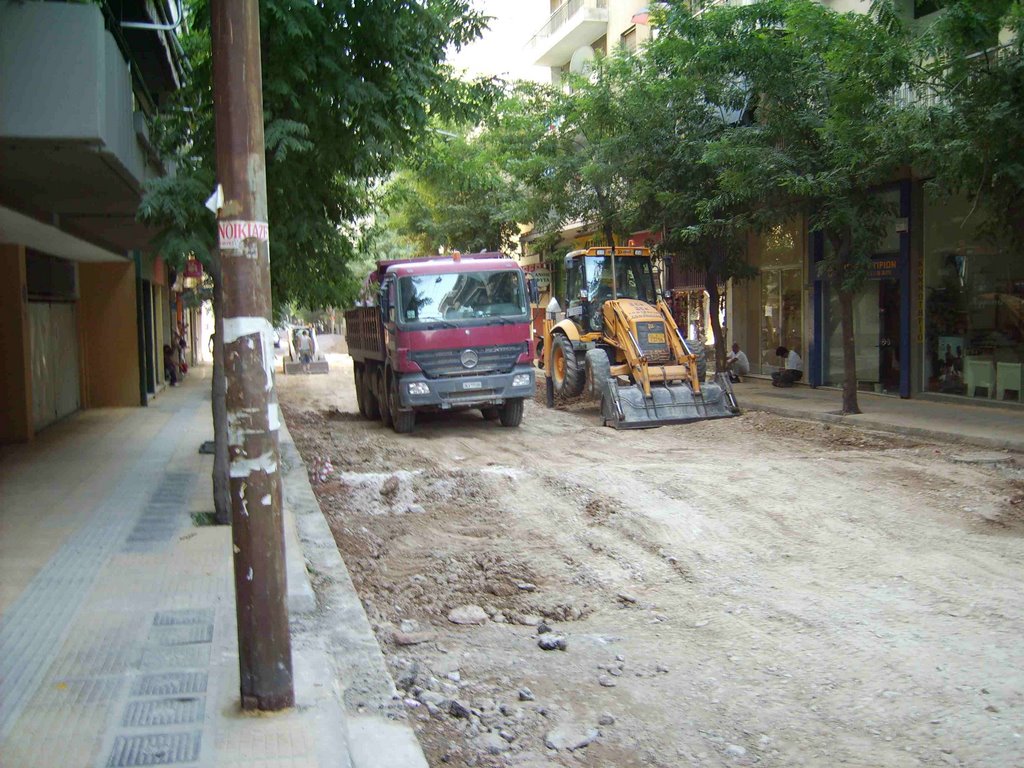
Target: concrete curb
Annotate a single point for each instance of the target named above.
(859, 422)
(376, 733)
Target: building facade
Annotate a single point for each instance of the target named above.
(84, 309)
(942, 311)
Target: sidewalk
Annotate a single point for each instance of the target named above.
(118, 640)
(986, 427)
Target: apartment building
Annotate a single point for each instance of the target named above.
(84, 308)
(942, 313)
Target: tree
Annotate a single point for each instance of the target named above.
(968, 127)
(565, 147)
(821, 86)
(454, 193)
(347, 87)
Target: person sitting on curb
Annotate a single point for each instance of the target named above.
(737, 364)
(792, 371)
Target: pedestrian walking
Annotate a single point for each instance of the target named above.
(305, 350)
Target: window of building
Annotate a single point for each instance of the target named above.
(973, 306)
(628, 38)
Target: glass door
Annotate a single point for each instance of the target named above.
(782, 315)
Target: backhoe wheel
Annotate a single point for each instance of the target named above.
(511, 412)
(598, 369)
(696, 348)
(491, 413)
(370, 402)
(385, 404)
(566, 371)
(401, 421)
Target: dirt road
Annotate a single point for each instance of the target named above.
(740, 592)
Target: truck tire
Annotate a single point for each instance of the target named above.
(566, 371)
(511, 413)
(382, 381)
(402, 422)
(370, 402)
(357, 376)
(696, 348)
(597, 371)
(490, 413)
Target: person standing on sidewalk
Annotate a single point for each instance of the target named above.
(305, 350)
(792, 371)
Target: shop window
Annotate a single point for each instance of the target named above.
(777, 297)
(973, 308)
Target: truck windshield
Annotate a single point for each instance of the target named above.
(461, 296)
(632, 277)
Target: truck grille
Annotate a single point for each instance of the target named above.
(441, 363)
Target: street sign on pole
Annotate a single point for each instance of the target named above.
(264, 643)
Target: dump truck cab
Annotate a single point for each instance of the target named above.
(617, 342)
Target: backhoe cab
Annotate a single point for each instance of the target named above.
(618, 343)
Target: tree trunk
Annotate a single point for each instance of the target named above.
(849, 353)
(711, 286)
(218, 405)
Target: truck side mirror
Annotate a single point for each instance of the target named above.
(383, 302)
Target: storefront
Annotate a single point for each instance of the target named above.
(881, 312)
(770, 307)
(973, 306)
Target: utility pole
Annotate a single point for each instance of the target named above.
(264, 643)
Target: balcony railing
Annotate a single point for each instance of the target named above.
(562, 14)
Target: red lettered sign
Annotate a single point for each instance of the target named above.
(232, 234)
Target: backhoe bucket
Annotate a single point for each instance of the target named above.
(626, 407)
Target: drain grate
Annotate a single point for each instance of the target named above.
(163, 712)
(181, 634)
(170, 684)
(155, 749)
(201, 616)
(195, 656)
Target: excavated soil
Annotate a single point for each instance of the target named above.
(748, 591)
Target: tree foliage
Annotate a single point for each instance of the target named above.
(969, 124)
(347, 88)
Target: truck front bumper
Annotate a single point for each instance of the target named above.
(417, 391)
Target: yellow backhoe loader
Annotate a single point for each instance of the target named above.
(617, 342)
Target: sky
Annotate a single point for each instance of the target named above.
(502, 49)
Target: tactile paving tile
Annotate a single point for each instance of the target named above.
(170, 684)
(150, 712)
(155, 749)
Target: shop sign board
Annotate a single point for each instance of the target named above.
(543, 279)
(883, 268)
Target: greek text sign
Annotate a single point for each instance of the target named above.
(232, 234)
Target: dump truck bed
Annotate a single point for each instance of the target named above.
(364, 334)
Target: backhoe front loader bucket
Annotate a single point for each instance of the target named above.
(626, 407)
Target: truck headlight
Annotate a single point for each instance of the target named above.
(419, 388)
(522, 379)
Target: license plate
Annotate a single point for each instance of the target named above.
(655, 338)
(472, 384)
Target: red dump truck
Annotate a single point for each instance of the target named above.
(442, 334)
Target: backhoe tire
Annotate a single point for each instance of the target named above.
(491, 413)
(696, 348)
(511, 413)
(597, 372)
(566, 371)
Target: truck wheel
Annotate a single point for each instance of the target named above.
(598, 369)
(490, 413)
(696, 348)
(401, 421)
(566, 372)
(370, 402)
(511, 413)
(385, 405)
(357, 375)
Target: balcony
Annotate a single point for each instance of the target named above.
(573, 24)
